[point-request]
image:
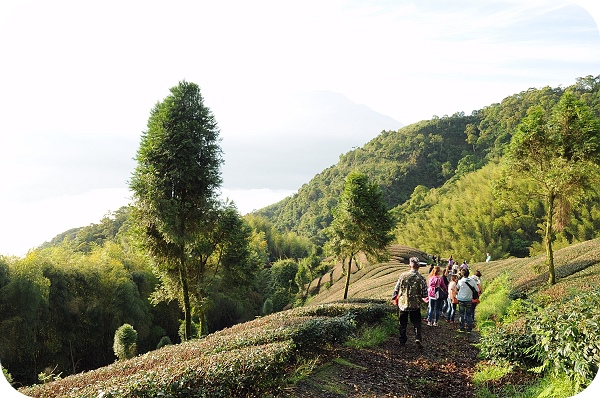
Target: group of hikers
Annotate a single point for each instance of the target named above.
(447, 291)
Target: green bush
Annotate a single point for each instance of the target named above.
(319, 331)
(181, 331)
(125, 343)
(568, 337)
(562, 339)
(362, 310)
(165, 340)
(508, 342)
(7, 375)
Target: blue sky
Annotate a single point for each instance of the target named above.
(79, 79)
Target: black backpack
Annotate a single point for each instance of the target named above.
(475, 292)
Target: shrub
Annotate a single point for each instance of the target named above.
(7, 375)
(561, 338)
(181, 331)
(319, 331)
(567, 337)
(267, 307)
(125, 343)
(508, 342)
(165, 340)
(362, 310)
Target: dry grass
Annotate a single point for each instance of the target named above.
(577, 269)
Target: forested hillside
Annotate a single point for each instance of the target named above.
(420, 165)
(63, 302)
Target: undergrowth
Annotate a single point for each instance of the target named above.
(557, 339)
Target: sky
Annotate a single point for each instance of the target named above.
(292, 85)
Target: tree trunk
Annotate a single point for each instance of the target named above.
(186, 299)
(549, 238)
(348, 278)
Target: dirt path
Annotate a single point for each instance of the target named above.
(444, 367)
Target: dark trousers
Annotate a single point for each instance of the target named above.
(465, 315)
(415, 319)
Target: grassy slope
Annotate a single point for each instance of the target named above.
(578, 269)
(371, 281)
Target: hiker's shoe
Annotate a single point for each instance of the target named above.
(435, 324)
(419, 344)
(429, 323)
(461, 330)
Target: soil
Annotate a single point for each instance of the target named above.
(443, 367)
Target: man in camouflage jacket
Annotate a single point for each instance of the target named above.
(408, 295)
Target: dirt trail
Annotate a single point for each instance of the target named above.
(443, 367)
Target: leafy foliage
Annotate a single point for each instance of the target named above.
(361, 223)
(561, 338)
(250, 359)
(568, 337)
(125, 342)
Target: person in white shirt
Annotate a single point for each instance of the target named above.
(465, 288)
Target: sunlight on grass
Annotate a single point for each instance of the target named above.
(487, 372)
(494, 301)
(344, 362)
(304, 369)
(547, 387)
(373, 335)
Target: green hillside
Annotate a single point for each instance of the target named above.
(267, 354)
(431, 155)
(447, 189)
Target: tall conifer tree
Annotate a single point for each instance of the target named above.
(175, 184)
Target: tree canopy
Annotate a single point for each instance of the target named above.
(361, 223)
(560, 153)
(175, 184)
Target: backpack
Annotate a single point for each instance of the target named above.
(475, 292)
(438, 292)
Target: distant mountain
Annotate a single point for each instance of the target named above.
(429, 153)
(301, 135)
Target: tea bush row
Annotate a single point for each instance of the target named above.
(246, 360)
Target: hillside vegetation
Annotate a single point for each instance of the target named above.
(262, 357)
(418, 168)
(444, 182)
